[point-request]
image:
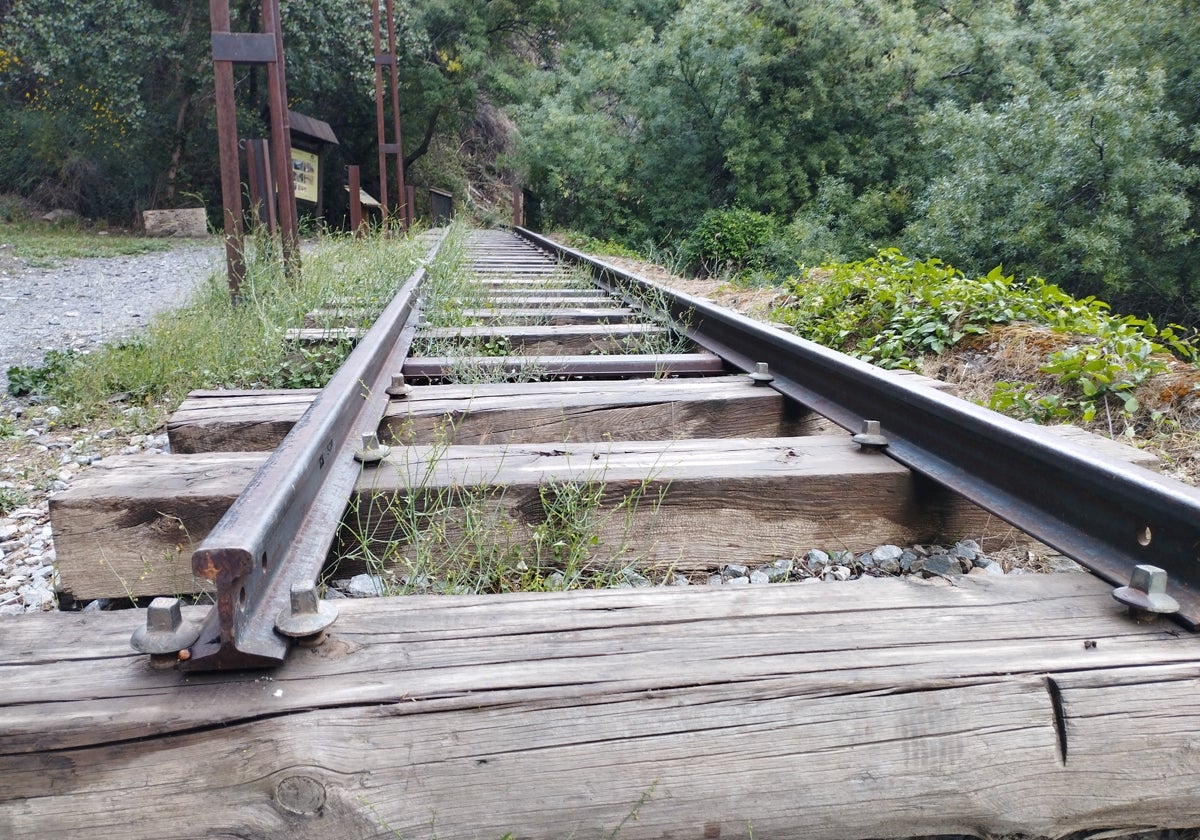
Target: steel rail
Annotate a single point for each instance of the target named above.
(1109, 516)
(279, 530)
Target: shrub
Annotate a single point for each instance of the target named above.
(731, 240)
(892, 311)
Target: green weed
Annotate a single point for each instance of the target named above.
(212, 342)
(475, 537)
(892, 311)
(11, 498)
(24, 381)
(43, 245)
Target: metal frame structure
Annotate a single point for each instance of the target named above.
(266, 47)
(395, 149)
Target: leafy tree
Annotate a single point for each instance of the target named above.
(89, 98)
(1077, 166)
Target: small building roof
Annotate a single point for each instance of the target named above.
(312, 128)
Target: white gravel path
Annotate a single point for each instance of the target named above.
(86, 302)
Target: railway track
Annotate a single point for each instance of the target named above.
(604, 347)
(628, 435)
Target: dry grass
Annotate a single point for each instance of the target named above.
(1016, 352)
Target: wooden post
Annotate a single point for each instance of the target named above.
(395, 148)
(380, 60)
(281, 139)
(406, 209)
(356, 217)
(252, 48)
(261, 182)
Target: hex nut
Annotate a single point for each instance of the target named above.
(761, 375)
(870, 436)
(371, 451)
(399, 388)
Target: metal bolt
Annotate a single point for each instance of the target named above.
(870, 437)
(1146, 595)
(165, 634)
(372, 451)
(760, 375)
(308, 617)
(399, 388)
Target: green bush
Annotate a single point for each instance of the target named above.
(730, 240)
(892, 311)
(24, 381)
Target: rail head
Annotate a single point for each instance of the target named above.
(278, 531)
(1109, 516)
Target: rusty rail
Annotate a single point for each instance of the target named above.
(278, 531)
(1110, 517)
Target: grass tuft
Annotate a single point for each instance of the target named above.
(212, 343)
(43, 245)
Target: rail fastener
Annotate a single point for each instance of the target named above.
(1146, 595)
(307, 618)
(761, 374)
(165, 634)
(870, 437)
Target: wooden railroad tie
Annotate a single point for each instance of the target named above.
(876, 708)
(129, 525)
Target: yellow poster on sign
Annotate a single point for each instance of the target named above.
(305, 173)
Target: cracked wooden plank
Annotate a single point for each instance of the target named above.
(880, 708)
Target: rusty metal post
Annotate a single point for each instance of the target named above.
(518, 205)
(356, 217)
(227, 143)
(406, 209)
(261, 181)
(230, 48)
(381, 139)
(381, 25)
(281, 139)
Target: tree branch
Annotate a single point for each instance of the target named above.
(430, 128)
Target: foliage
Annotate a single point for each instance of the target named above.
(600, 247)
(1081, 186)
(40, 244)
(11, 498)
(106, 105)
(24, 381)
(309, 367)
(730, 240)
(987, 132)
(465, 539)
(95, 88)
(8, 428)
(892, 310)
